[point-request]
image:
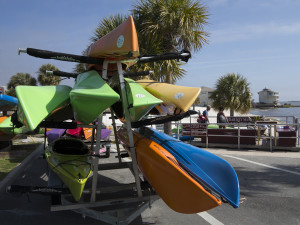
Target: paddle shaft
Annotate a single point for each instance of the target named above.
(44, 54)
(183, 55)
(74, 75)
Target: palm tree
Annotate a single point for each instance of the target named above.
(232, 92)
(177, 24)
(45, 79)
(19, 79)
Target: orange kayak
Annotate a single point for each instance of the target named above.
(176, 187)
(120, 44)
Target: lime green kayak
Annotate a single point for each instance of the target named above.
(6, 126)
(70, 159)
(90, 96)
(140, 101)
(37, 102)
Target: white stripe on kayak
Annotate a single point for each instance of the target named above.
(261, 164)
(210, 219)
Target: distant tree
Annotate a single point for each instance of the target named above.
(79, 68)
(232, 92)
(45, 79)
(19, 79)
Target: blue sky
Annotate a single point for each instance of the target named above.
(258, 39)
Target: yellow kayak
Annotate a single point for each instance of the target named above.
(180, 96)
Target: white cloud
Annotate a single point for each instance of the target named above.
(252, 31)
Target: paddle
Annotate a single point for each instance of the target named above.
(44, 54)
(74, 75)
(184, 55)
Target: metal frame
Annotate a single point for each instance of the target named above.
(126, 213)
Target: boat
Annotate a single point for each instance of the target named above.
(165, 174)
(208, 169)
(38, 102)
(120, 44)
(71, 160)
(88, 133)
(6, 127)
(90, 96)
(8, 103)
(180, 96)
(140, 101)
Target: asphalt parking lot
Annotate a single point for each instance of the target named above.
(269, 183)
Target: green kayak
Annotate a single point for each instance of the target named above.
(37, 102)
(90, 96)
(71, 160)
(6, 126)
(140, 101)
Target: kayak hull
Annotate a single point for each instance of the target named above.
(174, 185)
(8, 103)
(139, 100)
(121, 43)
(70, 159)
(205, 167)
(90, 96)
(180, 96)
(37, 102)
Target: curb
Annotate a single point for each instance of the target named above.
(12, 175)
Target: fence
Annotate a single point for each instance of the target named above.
(243, 132)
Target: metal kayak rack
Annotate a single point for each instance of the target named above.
(119, 204)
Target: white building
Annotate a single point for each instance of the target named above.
(205, 96)
(267, 96)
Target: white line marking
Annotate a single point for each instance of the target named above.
(210, 219)
(261, 164)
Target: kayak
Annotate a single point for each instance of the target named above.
(37, 102)
(121, 43)
(171, 182)
(8, 103)
(54, 134)
(6, 126)
(87, 133)
(139, 100)
(90, 96)
(70, 159)
(180, 96)
(208, 169)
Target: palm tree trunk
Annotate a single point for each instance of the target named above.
(168, 126)
(231, 112)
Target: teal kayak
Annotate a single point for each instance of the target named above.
(37, 102)
(139, 100)
(90, 96)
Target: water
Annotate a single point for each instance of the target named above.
(276, 112)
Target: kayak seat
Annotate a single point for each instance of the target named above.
(70, 147)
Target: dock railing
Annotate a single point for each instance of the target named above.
(268, 134)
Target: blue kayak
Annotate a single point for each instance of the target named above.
(7, 102)
(208, 169)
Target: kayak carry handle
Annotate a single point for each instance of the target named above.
(136, 74)
(61, 74)
(44, 54)
(184, 55)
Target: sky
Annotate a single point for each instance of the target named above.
(260, 40)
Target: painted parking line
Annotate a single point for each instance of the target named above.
(210, 219)
(261, 164)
